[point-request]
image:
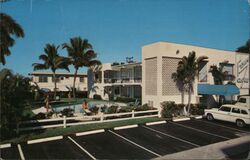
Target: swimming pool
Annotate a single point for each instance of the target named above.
(78, 107)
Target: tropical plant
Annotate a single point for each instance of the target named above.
(245, 48)
(8, 28)
(52, 60)
(14, 95)
(188, 67)
(219, 75)
(82, 55)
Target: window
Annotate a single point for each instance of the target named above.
(242, 100)
(81, 79)
(43, 79)
(243, 111)
(225, 109)
(236, 110)
(61, 78)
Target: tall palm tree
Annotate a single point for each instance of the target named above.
(82, 55)
(8, 28)
(52, 60)
(219, 76)
(188, 68)
(179, 78)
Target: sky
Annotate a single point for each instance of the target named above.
(119, 28)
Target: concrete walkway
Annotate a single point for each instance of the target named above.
(221, 150)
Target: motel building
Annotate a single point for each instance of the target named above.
(160, 60)
(45, 80)
(116, 80)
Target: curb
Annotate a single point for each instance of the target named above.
(181, 119)
(44, 139)
(126, 127)
(155, 123)
(8, 145)
(90, 132)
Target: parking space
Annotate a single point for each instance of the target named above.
(212, 128)
(109, 146)
(10, 153)
(188, 134)
(157, 142)
(136, 142)
(57, 149)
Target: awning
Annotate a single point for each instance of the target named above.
(225, 90)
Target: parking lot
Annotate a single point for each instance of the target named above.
(134, 142)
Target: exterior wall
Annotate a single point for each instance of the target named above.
(122, 76)
(170, 51)
(61, 85)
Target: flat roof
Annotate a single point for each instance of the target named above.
(61, 74)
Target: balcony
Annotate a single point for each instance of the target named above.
(122, 80)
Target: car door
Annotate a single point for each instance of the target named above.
(235, 114)
(224, 113)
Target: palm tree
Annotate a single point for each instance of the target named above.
(245, 48)
(82, 55)
(8, 27)
(179, 78)
(219, 75)
(52, 61)
(187, 71)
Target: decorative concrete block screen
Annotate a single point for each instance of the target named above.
(151, 76)
(169, 66)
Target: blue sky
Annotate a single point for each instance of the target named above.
(119, 28)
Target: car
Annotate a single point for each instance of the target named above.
(232, 113)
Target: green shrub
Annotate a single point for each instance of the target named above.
(68, 112)
(40, 116)
(196, 109)
(125, 99)
(169, 109)
(112, 109)
(126, 109)
(97, 97)
(144, 107)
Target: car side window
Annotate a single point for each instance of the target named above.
(243, 111)
(242, 100)
(235, 110)
(225, 109)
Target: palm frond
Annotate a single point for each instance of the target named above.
(39, 66)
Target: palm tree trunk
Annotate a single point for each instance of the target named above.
(189, 100)
(182, 97)
(54, 76)
(74, 83)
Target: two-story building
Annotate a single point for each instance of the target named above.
(64, 81)
(116, 80)
(160, 61)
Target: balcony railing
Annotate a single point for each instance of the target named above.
(122, 80)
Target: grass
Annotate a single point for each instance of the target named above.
(73, 129)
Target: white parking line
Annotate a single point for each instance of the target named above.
(126, 127)
(5, 146)
(223, 126)
(200, 130)
(196, 145)
(135, 143)
(84, 150)
(90, 132)
(155, 123)
(20, 152)
(44, 139)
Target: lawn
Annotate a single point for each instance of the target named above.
(73, 129)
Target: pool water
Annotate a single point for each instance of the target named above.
(78, 107)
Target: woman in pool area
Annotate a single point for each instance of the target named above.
(47, 103)
(85, 107)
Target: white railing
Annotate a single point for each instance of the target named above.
(62, 122)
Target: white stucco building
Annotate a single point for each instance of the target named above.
(120, 80)
(64, 80)
(160, 60)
